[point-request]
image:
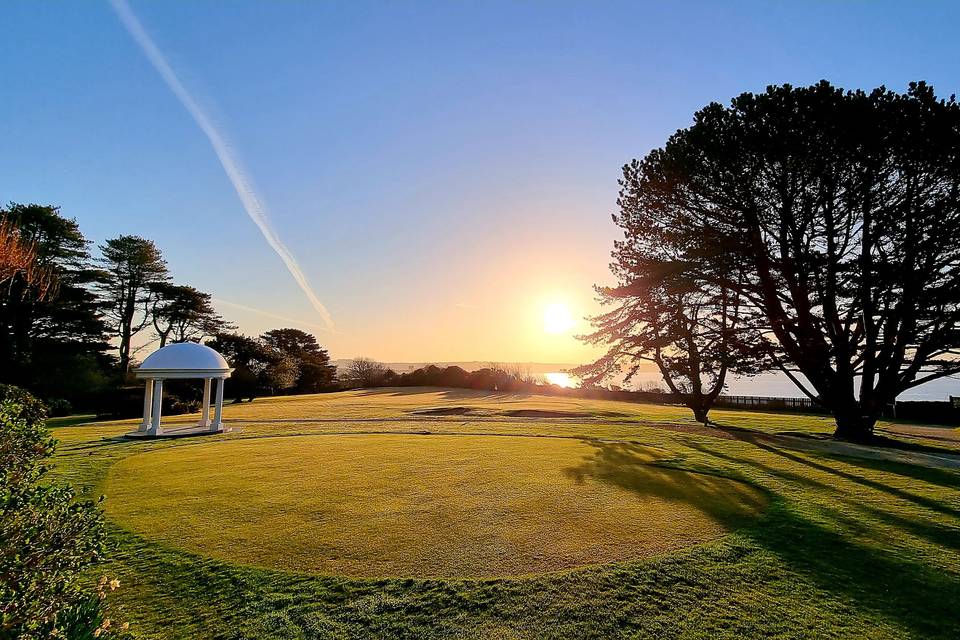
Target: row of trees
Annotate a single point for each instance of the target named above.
(58, 315)
(72, 324)
(366, 372)
(279, 361)
(813, 231)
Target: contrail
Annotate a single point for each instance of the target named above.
(269, 314)
(251, 202)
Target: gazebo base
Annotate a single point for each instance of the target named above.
(185, 431)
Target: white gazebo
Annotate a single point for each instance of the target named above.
(179, 361)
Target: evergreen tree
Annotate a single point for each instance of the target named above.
(184, 314)
(133, 267)
(315, 373)
(840, 211)
(57, 338)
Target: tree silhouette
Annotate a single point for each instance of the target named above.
(258, 366)
(182, 313)
(132, 267)
(685, 327)
(841, 213)
(51, 334)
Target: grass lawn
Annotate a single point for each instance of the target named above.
(422, 506)
(69, 421)
(704, 535)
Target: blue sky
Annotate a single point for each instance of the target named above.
(441, 171)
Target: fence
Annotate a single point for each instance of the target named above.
(768, 403)
(763, 403)
(921, 411)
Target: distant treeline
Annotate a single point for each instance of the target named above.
(499, 378)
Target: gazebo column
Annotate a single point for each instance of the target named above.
(217, 424)
(205, 415)
(157, 407)
(147, 402)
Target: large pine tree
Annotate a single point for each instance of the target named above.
(133, 267)
(53, 344)
(841, 213)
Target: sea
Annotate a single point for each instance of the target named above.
(774, 385)
(767, 384)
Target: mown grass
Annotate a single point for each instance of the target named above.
(846, 547)
(69, 421)
(421, 506)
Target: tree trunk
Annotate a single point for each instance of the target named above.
(124, 354)
(853, 425)
(700, 413)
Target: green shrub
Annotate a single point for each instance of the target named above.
(59, 407)
(48, 537)
(23, 404)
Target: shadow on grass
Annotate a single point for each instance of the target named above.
(945, 478)
(917, 596)
(828, 551)
(97, 444)
(927, 503)
(763, 468)
(71, 421)
(822, 442)
(446, 393)
(934, 532)
(627, 465)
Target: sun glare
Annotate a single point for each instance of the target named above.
(557, 319)
(560, 379)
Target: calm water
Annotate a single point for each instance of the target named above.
(773, 384)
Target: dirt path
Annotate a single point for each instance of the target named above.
(947, 435)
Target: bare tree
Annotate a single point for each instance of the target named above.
(364, 372)
(18, 257)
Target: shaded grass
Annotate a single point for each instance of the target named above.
(69, 421)
(847, 548)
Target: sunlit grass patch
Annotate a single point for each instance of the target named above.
(424, 506)
(846, 548)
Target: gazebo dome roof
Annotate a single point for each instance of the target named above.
(184, 360)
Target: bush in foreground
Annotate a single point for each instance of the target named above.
(48, 537)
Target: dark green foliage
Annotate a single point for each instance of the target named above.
(314, 373)
(47, 536)
(88, 619)
(24, 405)
(53, 344)
(259, 369)
(132, 268)
(183, 314)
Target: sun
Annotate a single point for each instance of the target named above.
(557, 319)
